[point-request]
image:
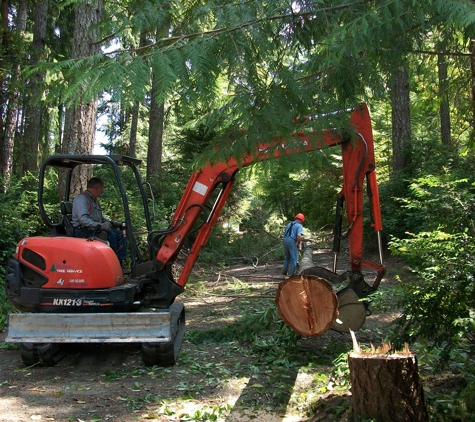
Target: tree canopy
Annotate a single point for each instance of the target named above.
(253, 65)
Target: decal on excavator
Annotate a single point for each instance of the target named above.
(67, 302)
(61, 267)
(200, 188)
(75, 281)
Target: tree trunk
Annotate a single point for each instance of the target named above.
(33, 108)
(136, 110)
(444, 110)
(401, 117)
(472, 79)
(4, 32)
(154, 154)
(308, 304)
(80, 120)
(11, 121)
(133, 129)
(9, 138)
(386, 387)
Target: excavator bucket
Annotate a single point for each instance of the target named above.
(351, 312)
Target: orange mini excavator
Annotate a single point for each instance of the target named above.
(73, 290)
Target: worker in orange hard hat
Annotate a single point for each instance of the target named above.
(292, 237)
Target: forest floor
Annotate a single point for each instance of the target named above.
(221, 380)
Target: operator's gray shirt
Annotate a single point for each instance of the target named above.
(87, 212)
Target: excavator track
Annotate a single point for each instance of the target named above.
(49, 354)
(166, 354)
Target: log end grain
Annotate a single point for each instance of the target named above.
(307, 304)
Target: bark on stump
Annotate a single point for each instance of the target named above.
(386, 388)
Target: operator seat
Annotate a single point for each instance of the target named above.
(67, 213)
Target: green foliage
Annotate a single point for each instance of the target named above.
(20, 218)
(429, 209)
(226, 66)
(307, 184)
(5, 306)
(249, 327)
(437, 184)
(468, 397)
(19, 215)
(437, 306)
(283, 194)
(209, 413)
(341, 372)
(449, 407)
(189, 142)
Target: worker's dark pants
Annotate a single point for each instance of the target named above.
(291, 255)
(116, 241)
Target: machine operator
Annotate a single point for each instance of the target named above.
(87, 216)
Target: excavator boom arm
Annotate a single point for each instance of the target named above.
(358, 166)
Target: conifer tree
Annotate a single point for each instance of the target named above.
(33, 107)
(275, 60)
(80, 121)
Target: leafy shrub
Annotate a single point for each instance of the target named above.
(431, 217)
(437, 306)
(435, 191)
(20, 218)
(468, 396)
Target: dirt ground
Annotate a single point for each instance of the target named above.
(223, 382)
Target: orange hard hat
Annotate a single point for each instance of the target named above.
(300, 216)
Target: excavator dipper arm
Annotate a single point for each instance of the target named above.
(358, 165)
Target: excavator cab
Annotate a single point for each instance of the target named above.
(124, 190)
(62, 273)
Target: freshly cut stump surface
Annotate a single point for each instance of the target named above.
(308, 304)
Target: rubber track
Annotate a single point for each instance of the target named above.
(49, 354)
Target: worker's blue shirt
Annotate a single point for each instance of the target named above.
(293, 229)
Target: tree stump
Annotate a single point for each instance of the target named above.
(386, 387)
(307, 304)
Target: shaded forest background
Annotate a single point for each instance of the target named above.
(179, 84)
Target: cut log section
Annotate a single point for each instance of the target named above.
(307, 304)
(351, 312)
